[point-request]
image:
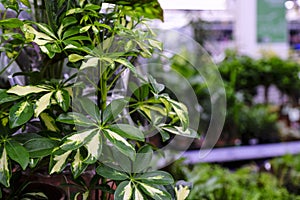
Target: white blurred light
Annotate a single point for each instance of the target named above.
(289, 4)
(268, 166)
(298, 2)
(193, 4)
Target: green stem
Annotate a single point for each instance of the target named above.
(11, 62)
(103, 87)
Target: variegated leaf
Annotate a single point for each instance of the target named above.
(180, 131)
(154, 192)
(182, 192)
(94, 148)
(156, 177)
(25, 90)
(59, 161)
(42, 104)
(78, 139)
(77, 165)
(49, 122)
(40, 38)
(20, 113)
(46, 29)
(63, 99)
(92, 62)
(123, 191)
(120, 143)
(138, 195)
(182, 113)
(4, 170)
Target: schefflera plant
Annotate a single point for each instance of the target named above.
(74, 121)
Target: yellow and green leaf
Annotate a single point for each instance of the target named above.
(42, 104)
(120, 143)
(20, 113)
(77, 166)
(59, 161)
(124, 191)
(25, 90)
(4, 170)
(78, 139)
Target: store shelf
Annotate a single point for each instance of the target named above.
(229, 154)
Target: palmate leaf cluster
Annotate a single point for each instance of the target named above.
(65, 117)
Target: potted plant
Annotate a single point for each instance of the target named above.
(67, 115)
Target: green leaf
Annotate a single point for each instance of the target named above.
(63, 99)
(113, 110)
(20, 113)
(11, 23)
(75, 57)
(111, 173)
(148, 9)
(49, 122)
(25, 90)
(113, 158)
(78, 139)
(42, 104)
(4, 170)
(4, 97)
(24, 137)
(76, 119)
(77, 166)
(59, 161)
(124, 191)
(102, 25)
(143, 158)
(156, 177)
(70, 32)
(128, 131)
(94, 148)
(155, 192)
(79, 38)
(67, 21)
(17, 153)
(40, 147)
(26, 3)
(120, 143)
(90, 108)
(92, 7)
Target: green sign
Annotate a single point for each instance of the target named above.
(271, 22)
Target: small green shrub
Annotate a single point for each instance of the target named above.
(212, 182)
